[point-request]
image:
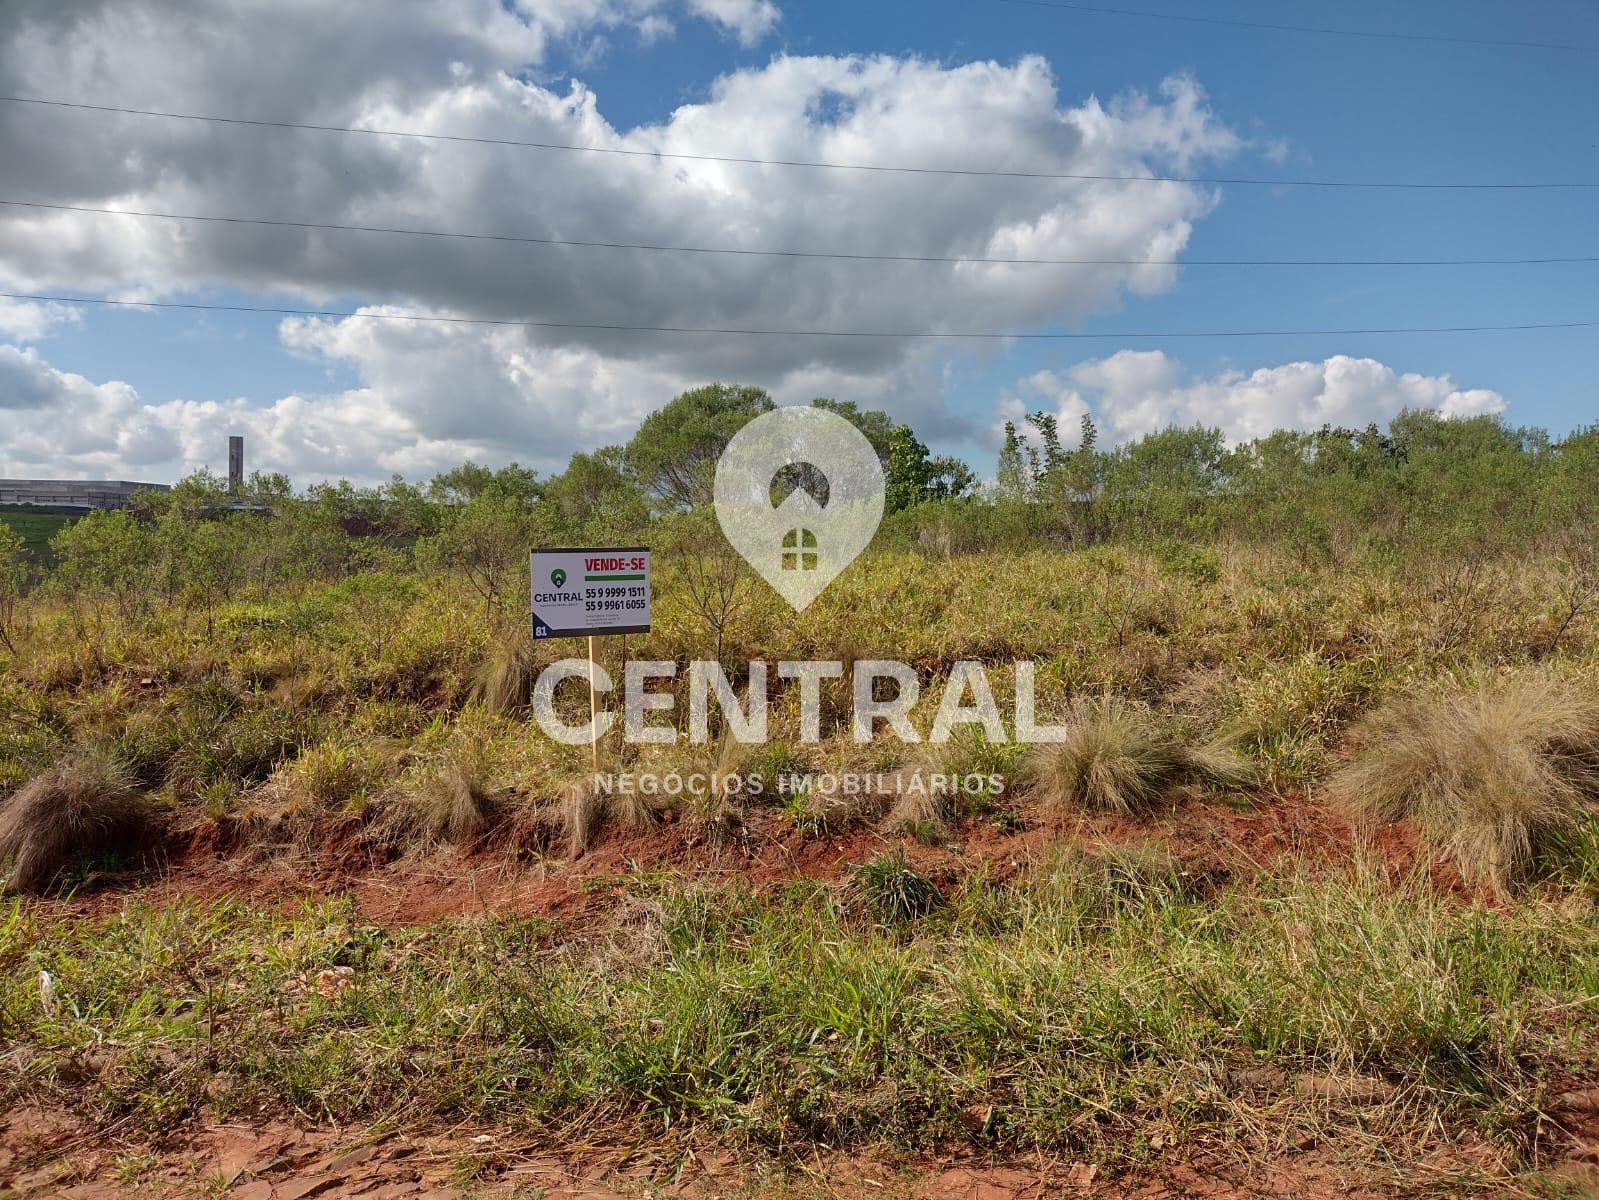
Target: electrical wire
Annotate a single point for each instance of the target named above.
(681, 156)
(822, 254)
(1277, 27)
(985, 335)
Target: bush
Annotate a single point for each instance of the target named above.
(505, 679)
(894, 891)
(86, 806)
(1116, 759)
(1493, 777)
(450, 806)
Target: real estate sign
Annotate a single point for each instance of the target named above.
(579, 592)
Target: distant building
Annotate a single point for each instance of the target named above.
(103, 493)
(74, 493)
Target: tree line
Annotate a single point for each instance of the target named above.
(1448, 491)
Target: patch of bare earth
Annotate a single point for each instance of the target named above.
(1212, 839)
(45, 1153)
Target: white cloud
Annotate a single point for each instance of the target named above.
(1135, 392)
(428, 397)
(471, 68)
(751, 20)
(55, 419)
(27, 321)
(1059, 400)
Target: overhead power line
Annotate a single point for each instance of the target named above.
(985, 335)
(682, 156)
(1277, 27)
(822, 254)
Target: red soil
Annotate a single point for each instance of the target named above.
(1211, 839)
(45, 1153)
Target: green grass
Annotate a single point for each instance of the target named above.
(1098, 1008)
(35, 526)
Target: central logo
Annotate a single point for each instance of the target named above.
(799, 493)
(558, 577)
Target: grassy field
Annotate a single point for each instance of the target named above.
(1101, 1006)
(1096, 998)
(34, 527)
(1314, 865)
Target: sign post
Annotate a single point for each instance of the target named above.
(589, 593)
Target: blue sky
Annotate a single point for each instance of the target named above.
(1295, 105)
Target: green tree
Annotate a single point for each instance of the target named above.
(912, 476)
(1013, 479)
(303, 540)
(469, 481)
(1165, 484)
(214, 557)
(107, 559)
(876, 425)
(486, 543)
(597, 497)
(13, 578)
(674, 452)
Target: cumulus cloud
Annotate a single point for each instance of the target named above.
(27, 321)
(1135, 392)
(751, 20)
(427, 398)
(474, 68)
(54, 417)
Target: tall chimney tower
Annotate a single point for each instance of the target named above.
(236, 465)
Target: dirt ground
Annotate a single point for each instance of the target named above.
(1212, 840)
(49, 1154)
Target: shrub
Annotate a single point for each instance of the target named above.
(85, 806)
(893, 890)
(1180, 560)
(1115, 758)
(333, 775)
(506, 677)
(1493, 777)
(452, 806)
(206, 733)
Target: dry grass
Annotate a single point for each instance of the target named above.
(86, 805)
(1116, 758)
(1490, 775)
(584, 810)
(504, 682)
(450, 806)
(918, 809)
(454, 807)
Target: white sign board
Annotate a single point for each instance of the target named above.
(593, 591)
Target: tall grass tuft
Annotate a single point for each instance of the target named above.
(1493, 777)
(584, 810)
(1117, 759)
(893, 890)
(88, 804)
(504, 682)
(918, 810)
(448, 806)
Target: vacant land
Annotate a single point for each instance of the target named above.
(1303, 903)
